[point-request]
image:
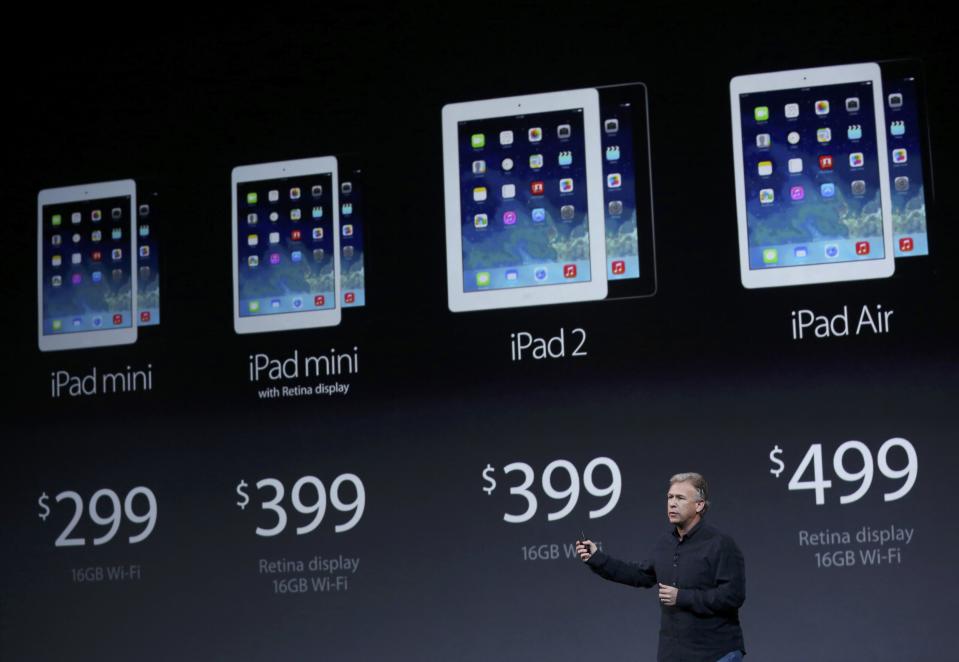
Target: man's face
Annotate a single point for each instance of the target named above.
(682, 503)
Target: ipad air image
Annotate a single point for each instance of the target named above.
(811, 164)
(86, 275)
(286, 245)
(147, 256)
(524, 184)
(352, 236)
(627, 191)
(909, 166)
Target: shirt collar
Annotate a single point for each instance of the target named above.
(689, 533)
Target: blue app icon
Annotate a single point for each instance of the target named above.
(565, 158)
(612, 153)
(512, 275)
(296, 256)
(541, 274)
(832, 250)
(297, 302)
(539, 215)
(97, 322)
(800, 251)
(275, 304)
(827, 190)
(854, 132)
(897, 128)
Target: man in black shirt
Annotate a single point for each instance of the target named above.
(700, 574)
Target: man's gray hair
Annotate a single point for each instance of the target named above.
(698, 483)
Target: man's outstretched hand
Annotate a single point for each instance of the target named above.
(585, 549)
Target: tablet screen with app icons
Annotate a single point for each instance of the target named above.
(812, 176)
(352, 237)
(285, 261)
(523, 197)
(904, 135)
(86, 266)
(627, 191)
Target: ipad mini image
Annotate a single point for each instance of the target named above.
(630, 256)
(352, 237)
(286, 261)
(148, 213)
(524, 199)
(813, 182)
(86, 265)
(909, 172)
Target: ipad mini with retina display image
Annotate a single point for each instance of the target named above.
(286, 245)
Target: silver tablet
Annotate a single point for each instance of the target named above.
(286, 245)
(812, 194)
(86, 280)
(524, 201)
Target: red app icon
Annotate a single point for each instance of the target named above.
(569, 271)
(118, 319)
(145, 316)
(319, 300)
(825, 162)
(349, 297)
(862, 248)
(96, 256)
(619, 267)
(537, 187)
(295, 235)
(906, 245)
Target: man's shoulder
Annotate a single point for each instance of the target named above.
(724, 539)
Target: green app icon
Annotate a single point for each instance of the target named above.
(478, 140)
(761, 113)
(251, 198)
(57, 220)
(254, 306)
(770, 256)
(483, 279)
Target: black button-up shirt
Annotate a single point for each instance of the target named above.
(708, 569)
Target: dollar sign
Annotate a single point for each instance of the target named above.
(45, 513)
(244, 499)
(489, 478)
(773, 457)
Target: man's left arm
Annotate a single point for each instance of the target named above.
(730, 590)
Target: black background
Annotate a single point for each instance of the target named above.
(703, 376)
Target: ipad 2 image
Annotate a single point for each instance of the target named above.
(812, 189)
(523, 184)
(627, 191)
(286, 245)
(910, 165)
(86, 276)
